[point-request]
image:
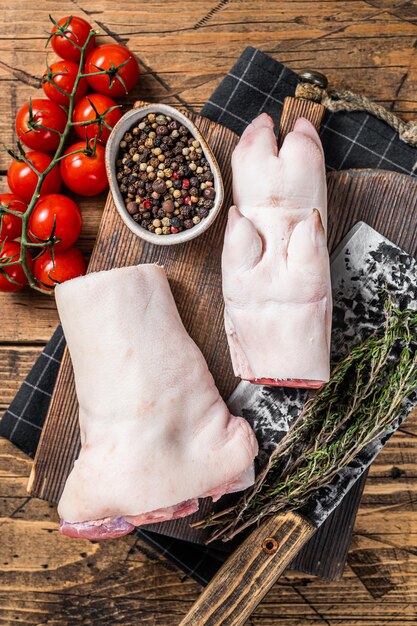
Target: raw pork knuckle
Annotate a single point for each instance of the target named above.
(155, 433)
(275, 264)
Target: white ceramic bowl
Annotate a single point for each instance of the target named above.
(128, 121)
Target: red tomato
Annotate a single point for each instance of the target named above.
(67, 264)
(11, 225)
(44, 113)
(23, 180)
(67, 216)
(77, 30)
(105, 57)
(11, 250)
(83, 174)
(84, 112)
(63, 75)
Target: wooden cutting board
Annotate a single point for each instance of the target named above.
(385, 200)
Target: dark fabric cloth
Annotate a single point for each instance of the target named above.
(255, 84)
(258, 83)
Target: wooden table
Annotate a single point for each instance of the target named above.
(185, 48)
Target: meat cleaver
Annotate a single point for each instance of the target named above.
(363, 265)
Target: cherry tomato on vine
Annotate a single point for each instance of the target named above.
(75, 29)
(63, 75)
(109, 56)
(83, 174)
(44, 113)
(84, 111)
(67, 264)
(65, 213)
(11, 225)
(23, 180)
(11, 250)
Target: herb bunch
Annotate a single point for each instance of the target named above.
(365, 395)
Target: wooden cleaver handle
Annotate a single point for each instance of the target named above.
(249, 573)
(259, 561)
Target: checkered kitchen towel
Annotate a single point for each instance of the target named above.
(256, 83)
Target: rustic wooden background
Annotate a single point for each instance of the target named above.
(185, 48)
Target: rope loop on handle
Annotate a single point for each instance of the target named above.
(344, 100)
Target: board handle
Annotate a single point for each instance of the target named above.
(249, 573)
(298, 107)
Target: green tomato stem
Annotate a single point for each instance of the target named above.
(25, 242)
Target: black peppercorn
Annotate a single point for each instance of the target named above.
(132, 207)
(209, 193)
(202, 211)
(168, 206)
(159, 186)
(184, 170)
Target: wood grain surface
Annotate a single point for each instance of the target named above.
(250, 572)
(184, 50)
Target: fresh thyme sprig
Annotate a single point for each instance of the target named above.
(365, 395)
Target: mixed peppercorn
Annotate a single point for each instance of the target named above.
(163, 175)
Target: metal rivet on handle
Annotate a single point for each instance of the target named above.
(313, 77)
(269, 545)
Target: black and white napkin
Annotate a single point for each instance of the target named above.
(255, 84)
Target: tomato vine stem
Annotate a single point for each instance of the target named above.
(25, 242)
